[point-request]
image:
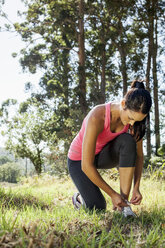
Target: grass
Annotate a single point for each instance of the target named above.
(39, 213)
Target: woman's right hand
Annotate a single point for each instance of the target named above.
(118, 201)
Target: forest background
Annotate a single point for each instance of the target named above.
(87, 53)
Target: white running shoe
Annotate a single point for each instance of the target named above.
(127, 212)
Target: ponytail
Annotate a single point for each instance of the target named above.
(139, 128)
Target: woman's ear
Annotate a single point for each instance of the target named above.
(123, 104)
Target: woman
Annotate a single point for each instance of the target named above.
(111, 136)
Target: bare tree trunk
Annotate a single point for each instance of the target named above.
(150, 49)
(103, 66)
(124, 73)
(25, 167)
(81, 69)
(156, 104)
(123, 55)
(123, 68)
(66, 53)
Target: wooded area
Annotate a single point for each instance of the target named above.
(89, 52)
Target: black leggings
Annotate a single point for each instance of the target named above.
(119, 152)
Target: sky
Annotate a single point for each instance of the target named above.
(12, 79)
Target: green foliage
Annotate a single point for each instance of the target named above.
(8, 223)
(116, 37)
(29, 132)
(5, 106)
(156, 166)
(158, 171)
(58, 164)
(161, 151)
(10, 172)
(56, 34)
(4, 160)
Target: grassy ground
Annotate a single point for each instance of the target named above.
(39, 213)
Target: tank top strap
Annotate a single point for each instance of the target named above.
(107, 115)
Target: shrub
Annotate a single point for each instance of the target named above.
(156, 165)
(10, 172)
(161, 151)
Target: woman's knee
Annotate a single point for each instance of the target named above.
(127, 151)
(127, 142)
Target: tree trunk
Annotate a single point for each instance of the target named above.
(150, 49)
(37, 161)
(123, 55)
(155, 80)
(123, 68)
(66, 71)
(103, 66)
(81, 69)
(66, 81)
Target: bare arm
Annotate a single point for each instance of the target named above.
(139, 165)
(136, 195)
(95, 125)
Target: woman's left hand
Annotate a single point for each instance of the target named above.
(136, 197)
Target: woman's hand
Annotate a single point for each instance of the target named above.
(118, 201)
(136, 197)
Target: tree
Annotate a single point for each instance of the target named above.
(148, 69)
(98, 60)
(88, 52)
(10, 172)
(148, 29)
(28, 132)
(120, 34)
(51, 33)
(81, 53)
(155, 76)
(4, 160)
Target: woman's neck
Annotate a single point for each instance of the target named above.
(115, 112)
(116, 124)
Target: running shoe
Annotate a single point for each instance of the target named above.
(127, 212)
(77, 201)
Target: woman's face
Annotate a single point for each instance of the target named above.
(130, 117)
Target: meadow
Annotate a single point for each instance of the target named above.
(38, 212)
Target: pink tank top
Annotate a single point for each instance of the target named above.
(75, 150)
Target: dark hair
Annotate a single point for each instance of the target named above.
(138, 99)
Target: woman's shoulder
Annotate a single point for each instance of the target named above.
(96, 116)
(98, 111)
(95, 119)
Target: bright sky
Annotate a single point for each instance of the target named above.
(12, 79)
